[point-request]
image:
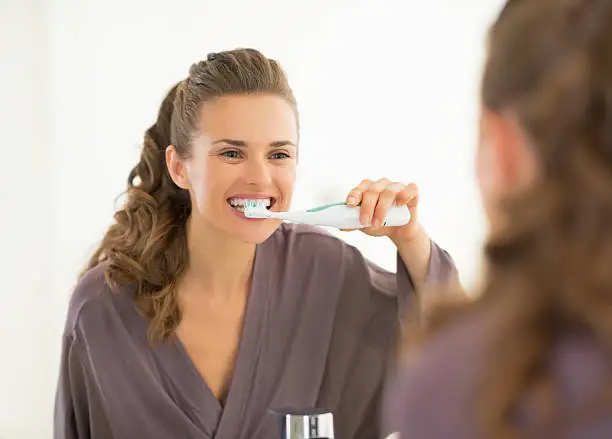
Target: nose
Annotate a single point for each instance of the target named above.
(257, 171)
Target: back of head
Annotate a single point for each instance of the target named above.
(146, 246)
(550, 66)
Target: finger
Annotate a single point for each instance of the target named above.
(380, 185)
(409, 195)
(369, 200)
(386, 199)
(355, 195)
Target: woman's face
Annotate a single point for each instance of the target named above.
(247, 149)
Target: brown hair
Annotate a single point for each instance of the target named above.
(146, 246)
(550, 64)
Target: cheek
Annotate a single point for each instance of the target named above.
(486, 172)
(205, 180)
(285, 181)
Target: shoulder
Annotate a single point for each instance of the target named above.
(436, 385)
(316, 240)
(466, 335)
(435, 392)
(312, 256)
(92, 296)
(308, 243)
(305, 243)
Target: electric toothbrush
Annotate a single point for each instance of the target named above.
(338, 215)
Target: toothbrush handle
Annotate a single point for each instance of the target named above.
(397, 216)
(345, 217)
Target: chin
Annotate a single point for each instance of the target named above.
(253, 233)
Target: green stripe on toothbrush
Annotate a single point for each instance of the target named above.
(327, 206)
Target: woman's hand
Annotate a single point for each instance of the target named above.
(376, 197)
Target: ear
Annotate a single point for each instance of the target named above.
(176, 168)
(506, 151)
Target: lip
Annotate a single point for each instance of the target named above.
(243, 216)
(252, 196)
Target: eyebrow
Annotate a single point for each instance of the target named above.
(243, 144)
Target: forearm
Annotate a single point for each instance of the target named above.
(416, 255)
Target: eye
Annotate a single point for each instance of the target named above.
(279, 155)
(231, 154)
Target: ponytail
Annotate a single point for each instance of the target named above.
(146, 245)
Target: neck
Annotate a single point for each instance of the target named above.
(218, 264)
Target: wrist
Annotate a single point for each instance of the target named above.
(415, 252)
(416, 238)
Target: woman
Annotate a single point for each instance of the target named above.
(530, 358)
(193, 321)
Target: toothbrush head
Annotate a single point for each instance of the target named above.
(255, 209)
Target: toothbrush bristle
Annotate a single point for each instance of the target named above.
(253, 204)
(253, 208)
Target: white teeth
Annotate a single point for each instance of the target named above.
(240, 202)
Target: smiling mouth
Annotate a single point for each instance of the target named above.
(239, 203)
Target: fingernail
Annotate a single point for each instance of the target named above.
(351, 200)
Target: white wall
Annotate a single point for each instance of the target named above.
(27, 288)
(385, 89)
